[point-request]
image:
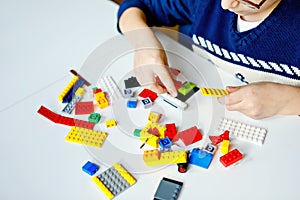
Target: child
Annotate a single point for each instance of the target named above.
(258, 41)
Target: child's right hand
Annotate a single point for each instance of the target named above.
(149, 63)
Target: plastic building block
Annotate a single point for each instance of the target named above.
(212, 92)
(155, 157)
(184, 98)
(110, 123)
(127, 93)
(79, 83)
(151, 134)
(52, 116)
(168, 189)
(77, 74)
(154, 129)
(148, 93)
(132, 103)
(165, 142)
(147, 102)
(154, 116)
(200, 158)
(86, 137)
(90, 168)
(243, 131)
(149, 139)
(71, 105)
(186, 88)
(101, 99)
(137, 132)
(114, 180)
(113, 90)
(210, 148)
(83, 108)
(217, 139)
(190, 136)
(231, 157)
(173, 101)
(224, 147)
(67, 88)
(171, 132)
(94, 117)
(131, 82)
(183, 167)
(59, 119)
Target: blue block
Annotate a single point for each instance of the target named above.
(79, 83)
(200, 158)
(165, 142)
(90, 168)
(131, 103)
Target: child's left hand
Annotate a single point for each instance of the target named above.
(263, 99)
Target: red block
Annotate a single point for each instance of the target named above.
(190, 136)
(217, 139)
(171, 132)
(231, 157)
(148, 93)
(83, 108)
(84, 124)
(48, 114)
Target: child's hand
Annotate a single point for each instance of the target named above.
(264, 99)
(150, 63)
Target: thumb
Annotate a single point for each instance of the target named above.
(231, 89)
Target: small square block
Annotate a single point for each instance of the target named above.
(165, 142)
(147, 102)
(90, 168)
(127, 93)
(94, 117)
(132, 103)
(110, 123)
(137, 132)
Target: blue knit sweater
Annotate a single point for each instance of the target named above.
(273, 47)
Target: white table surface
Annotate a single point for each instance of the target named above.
(39, 42)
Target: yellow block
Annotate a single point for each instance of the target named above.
(86, 136)
(212, 92)
(125, 174)
(150, 127)
(102, 187)
(67, 88)
(225, 147)
(154, 117)
(154, 157)
(80, 92)
(110, 123)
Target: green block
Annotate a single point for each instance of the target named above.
(186, 88)
(94, 117)
(137, 132)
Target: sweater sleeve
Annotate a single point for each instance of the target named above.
(163, 12)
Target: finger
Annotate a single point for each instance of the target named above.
(231, 89)
(167, 80)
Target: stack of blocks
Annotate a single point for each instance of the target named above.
(114, 180)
